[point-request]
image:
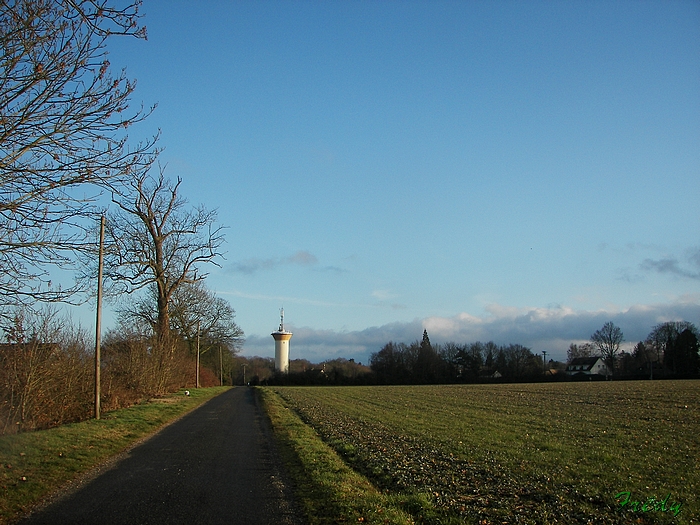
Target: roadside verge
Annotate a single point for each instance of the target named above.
(328, 490)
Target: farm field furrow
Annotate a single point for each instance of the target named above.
(521, 453)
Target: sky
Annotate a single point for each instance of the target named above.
(516, 172)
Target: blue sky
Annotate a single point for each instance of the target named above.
(520, 172)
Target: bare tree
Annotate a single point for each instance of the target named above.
(575, 351)
(608, 340)
(63, 123)
(197, 313)
(193, 307)
(154, 239)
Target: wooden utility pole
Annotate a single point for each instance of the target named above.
(98, 322)
(221, 366)
(197, 380)
(544, 362)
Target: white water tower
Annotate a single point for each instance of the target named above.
(282, 338)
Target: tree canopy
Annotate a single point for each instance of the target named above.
(155, 239)
(63, 134)
(607, 340)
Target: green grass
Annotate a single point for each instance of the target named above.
(328, 490)
(34, 464)
(531, 453)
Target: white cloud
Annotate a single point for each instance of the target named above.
(549, 329)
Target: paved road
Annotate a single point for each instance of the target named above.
(215, 465)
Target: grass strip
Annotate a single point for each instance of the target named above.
(329, 490)
(33, 465)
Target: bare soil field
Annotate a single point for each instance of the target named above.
(598, 452)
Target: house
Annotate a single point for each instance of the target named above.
(587, 366)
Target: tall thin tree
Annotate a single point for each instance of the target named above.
(155, 239)
(608, 340)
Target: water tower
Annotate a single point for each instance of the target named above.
(282, 338)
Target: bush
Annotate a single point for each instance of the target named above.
(46, 370)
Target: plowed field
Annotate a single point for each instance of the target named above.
(525, 453)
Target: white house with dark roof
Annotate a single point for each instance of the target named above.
(588, 366)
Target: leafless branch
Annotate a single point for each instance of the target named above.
(63, 133)
(154, 238)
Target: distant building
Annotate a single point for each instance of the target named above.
(588, 366)
(282, 338)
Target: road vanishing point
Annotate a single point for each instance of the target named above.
(216, 465)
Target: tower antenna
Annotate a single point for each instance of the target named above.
(281, 319)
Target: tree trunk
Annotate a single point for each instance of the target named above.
(163, 328)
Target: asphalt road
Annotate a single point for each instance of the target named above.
(215, 465)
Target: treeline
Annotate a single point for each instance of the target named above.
(398, 363)
(47, 364)
(261, 371)
(424, 363)
(671, 350)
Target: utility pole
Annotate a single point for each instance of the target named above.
(544, 361)
(197, 380)
(243, 375)
(98, 321)
(221, 367)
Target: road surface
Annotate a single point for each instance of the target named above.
(215, 465)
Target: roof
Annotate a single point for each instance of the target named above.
(585, 361)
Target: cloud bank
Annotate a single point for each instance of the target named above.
(540, 329)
